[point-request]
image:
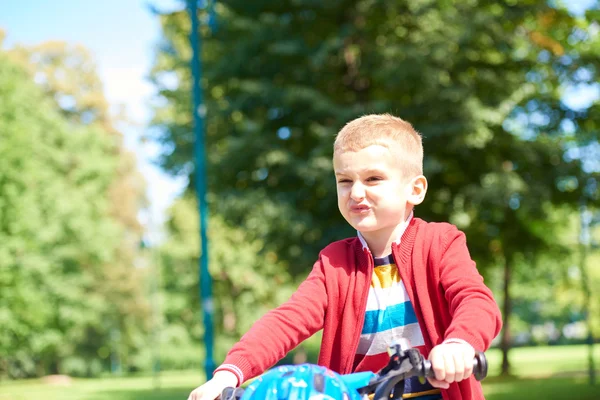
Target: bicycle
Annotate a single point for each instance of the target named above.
(292, 381)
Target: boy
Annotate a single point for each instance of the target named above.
(401, 277)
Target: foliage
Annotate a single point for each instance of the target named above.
(67, 73)
(547, 291)
(245, 284)
(483, 81)
(66, 251)
(282, 79)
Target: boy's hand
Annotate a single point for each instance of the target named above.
(451, 362)
(213, 388)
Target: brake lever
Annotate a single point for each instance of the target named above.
(231, 393)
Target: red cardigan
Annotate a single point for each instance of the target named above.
(447, 292)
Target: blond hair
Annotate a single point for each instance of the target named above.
(384, 130)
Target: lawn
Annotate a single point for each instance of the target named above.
(555, 373)
(541, 362)
(542, 389)
(170, 385)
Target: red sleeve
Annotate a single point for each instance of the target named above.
(280, 330)
(475, 315)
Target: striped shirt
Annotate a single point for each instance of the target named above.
(390, 316)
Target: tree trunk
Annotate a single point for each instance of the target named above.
(506, 311)
(54, 367)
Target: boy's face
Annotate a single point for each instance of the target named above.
(373, 195)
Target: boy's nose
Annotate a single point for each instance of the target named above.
(358, 192)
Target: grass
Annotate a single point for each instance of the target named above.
(169, 385)
(541, 389)
(544, 361)
(555, 373)
(549, 372)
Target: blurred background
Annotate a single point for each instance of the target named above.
(99, 222)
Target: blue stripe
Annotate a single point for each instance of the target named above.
(393, 316)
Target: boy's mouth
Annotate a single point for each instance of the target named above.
(360, 209)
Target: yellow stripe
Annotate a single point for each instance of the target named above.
(385, 276)
(418, 394)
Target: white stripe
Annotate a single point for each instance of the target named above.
(377, 343)
(235, 370)
(381, 298)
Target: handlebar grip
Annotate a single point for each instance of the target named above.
(480, 366)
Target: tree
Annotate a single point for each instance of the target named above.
(71, 240)
(246, 285)
(67, 73)
(53, 237)
(482, 81)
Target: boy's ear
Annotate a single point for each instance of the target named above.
(418, 189)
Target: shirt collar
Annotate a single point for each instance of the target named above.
(398, 239)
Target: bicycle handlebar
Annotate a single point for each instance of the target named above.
(409, 363)
(403, 364)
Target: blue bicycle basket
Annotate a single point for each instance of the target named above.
(299, 382)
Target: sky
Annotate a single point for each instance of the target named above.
(121, 35)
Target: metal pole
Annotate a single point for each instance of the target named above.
(199, 111)
(154, 285)
(584, 240)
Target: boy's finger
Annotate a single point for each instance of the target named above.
(438, 365)
(450, 367)
(194, 395)
(468, 365)
(459, 368)
(438, 384)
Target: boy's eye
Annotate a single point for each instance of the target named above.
(344, 181)
(373, 179)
